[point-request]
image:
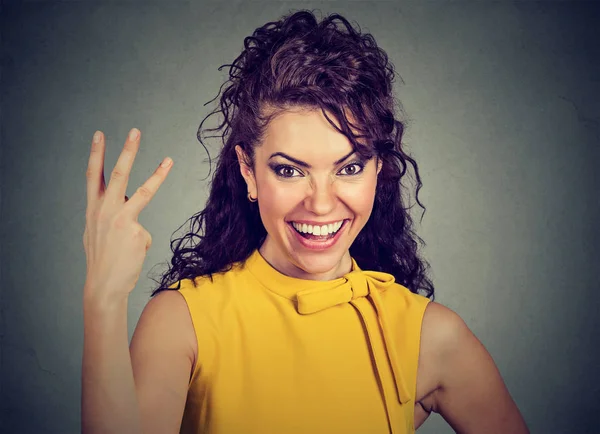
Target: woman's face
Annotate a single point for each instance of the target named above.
(306, 175)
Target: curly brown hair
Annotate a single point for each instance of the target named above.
(298, 62)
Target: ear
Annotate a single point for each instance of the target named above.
(379, 165)
(246, 170)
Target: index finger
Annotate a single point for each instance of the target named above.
(144, 194)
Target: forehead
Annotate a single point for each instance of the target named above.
(304, 133)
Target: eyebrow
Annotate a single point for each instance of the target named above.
(304, 164)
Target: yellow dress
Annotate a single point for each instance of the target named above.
(277, 354)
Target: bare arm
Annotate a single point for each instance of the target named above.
(143, 390)
(108, 401)
(471, 395)
(163, 349)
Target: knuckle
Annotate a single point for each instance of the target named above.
(148, 240)
(141, 235)
(90, 173)
(138, 230)
(145, 192)
(118, 175)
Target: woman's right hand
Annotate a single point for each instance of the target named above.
(115, 242)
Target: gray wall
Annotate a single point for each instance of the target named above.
(503, 101)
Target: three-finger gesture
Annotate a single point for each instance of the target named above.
(115, 242)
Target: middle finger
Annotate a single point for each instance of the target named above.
(119, 178)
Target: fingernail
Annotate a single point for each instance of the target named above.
(166, 162)
(97, 137)
(133, 134)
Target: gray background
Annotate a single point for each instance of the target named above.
(502, 101)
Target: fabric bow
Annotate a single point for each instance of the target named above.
(358, 283)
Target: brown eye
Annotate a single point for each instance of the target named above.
(353, 169)
(284, 171)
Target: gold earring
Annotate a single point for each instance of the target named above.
(251, 199)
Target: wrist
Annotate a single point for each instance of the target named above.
(103, 301)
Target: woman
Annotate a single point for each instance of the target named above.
(303, 306)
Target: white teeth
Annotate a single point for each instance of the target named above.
(318, 230)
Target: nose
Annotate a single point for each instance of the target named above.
(321, 196)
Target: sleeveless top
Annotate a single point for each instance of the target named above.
(278, 354)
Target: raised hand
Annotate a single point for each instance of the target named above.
(115, 242)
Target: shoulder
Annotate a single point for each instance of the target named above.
(443, 329)
(192, 315)
(444, 336)
(166, 306)
(447, 344)
(168, 311)
(166, 325)
(469, 391)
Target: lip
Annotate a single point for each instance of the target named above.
(308, 222)
(318, 245)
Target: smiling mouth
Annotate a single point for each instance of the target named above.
(307, 231)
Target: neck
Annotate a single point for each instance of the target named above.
(307, 267)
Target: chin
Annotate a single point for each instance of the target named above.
(319, 262)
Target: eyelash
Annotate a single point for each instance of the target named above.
(277, 168)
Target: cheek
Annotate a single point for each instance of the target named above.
(370, 194)
(360, 196)
(277, 200)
